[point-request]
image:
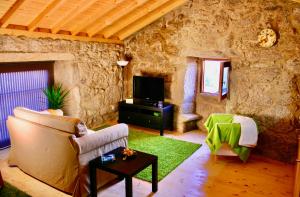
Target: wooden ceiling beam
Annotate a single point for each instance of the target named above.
(131, 17)
(149, 18)
(33, 34)
(116, 19)
(50, 7)
(113, 17)
(93, 19)
(4, 22)
(82, 6)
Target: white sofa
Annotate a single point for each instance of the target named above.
(51, 149)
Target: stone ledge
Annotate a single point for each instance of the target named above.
(188, 117)
(187, 122)
(34, 57)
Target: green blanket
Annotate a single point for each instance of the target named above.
(221, 129)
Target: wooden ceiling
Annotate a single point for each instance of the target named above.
(88, 20)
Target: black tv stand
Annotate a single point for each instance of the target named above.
(145, 102)
(139, 113)
(148, 103)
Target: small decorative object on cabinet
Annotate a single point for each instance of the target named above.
(297, 177)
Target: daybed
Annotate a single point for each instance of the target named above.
(230, 134)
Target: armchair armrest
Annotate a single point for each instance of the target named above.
(94, 140)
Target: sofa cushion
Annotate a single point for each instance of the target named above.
(101, 137)
(63, 123)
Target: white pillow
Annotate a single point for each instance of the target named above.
(81, 129)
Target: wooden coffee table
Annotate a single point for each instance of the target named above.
(124, 169)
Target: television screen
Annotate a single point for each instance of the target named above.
(148, 88)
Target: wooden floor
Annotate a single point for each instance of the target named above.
(199, 175)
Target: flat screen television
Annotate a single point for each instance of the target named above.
(148, 88)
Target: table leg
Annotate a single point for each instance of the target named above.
(154, 176)
(93, 179)
(1, 181)
(161, 131)
(128, 186)
(120, 178)
(161, 125)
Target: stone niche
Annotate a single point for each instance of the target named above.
(180, 86)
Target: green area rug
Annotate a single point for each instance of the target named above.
(171, 152)
(10, 191)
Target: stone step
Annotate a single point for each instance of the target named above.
(187, 122)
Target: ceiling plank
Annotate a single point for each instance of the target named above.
(50, 7)
(15, 32)
(82, 6)
(92, 20)
(111, 17)
(149, 18)
(8, 15)
(131, 17)
(5, 5)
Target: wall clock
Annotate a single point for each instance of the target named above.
(267, 38)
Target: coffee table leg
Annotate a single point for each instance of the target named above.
(154, 176)
(1, 181)
(120, 178)
(93, 180)
(128, 186)
(161, 132)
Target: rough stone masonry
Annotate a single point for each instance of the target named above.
(93, 76)
(265, 82)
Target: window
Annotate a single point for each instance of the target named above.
(21, 84)
(215, 77)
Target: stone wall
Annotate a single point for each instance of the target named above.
(264, 81)
(93, 76)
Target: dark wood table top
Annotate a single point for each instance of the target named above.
(129, 167)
